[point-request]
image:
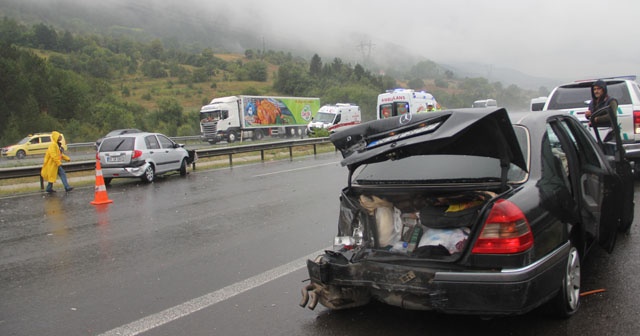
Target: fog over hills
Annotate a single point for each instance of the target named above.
(528, 43)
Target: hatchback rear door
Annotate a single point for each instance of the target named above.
(116, 151)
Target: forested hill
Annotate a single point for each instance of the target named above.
(87, 84)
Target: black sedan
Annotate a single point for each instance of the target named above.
(470, 211)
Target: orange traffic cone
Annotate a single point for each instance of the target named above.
(101, 190)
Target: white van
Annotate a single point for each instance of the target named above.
(485, 103)
(335, 117)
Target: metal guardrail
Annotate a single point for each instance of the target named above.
(28, 171)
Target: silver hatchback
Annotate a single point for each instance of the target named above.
(143, 155)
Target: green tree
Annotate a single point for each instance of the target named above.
(154, 69)
(45, 37)
(256, 71)
(315, 68)
(292, 79)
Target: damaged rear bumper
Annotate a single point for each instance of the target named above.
(339, 284)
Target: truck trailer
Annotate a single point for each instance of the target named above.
(240, 117)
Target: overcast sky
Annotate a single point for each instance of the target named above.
(557, 39)
(568, 39)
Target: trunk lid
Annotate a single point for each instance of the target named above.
(480, 132)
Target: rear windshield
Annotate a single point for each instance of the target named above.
(443, 168)
(117, 144)
(579, 95)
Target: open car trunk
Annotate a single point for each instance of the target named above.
(421, 224)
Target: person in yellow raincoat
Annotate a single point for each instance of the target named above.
(52, 166)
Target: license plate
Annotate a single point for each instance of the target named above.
(115, 159)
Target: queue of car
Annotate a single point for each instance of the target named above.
(463, 211)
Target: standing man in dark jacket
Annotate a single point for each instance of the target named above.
(602, 112)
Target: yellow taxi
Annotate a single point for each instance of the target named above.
(33, 144)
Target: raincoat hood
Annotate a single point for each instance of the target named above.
(603, 85)
(55, 136)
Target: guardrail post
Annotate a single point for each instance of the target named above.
(230, 159)
(291, 153)
(41, 183)
(315, 152)
(262, 155)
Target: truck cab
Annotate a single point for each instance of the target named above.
(216, 117)
(335, 117)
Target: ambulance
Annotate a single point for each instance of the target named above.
(401, 101)
(335, 118)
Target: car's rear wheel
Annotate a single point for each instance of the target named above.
(567, 302)
(107, 181)
(149, 174)
(21, 154)
(183, 167)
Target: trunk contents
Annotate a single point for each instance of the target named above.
(419, 226)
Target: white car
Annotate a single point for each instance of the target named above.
(574, 98)
(142, 155)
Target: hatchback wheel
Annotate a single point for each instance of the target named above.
(183, 167)
(21, 154)
(149, 174)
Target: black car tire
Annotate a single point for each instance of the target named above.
(21, 154)
(257, 134)
(149, 174)
(107, 181)
(183, 168)
(567, 301)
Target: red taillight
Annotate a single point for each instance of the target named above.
(136, 154)
(505, 231)
(636, 122)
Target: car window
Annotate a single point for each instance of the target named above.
(570, 97)
(45, 139)
(586, 151)
(165, 142)
(444, 167)
(619, 91)
(636, 89)
(117, 144)
(151, 142)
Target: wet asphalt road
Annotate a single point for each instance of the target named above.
(221, 252)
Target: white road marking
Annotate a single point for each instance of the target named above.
(295, 169)
(192, 306)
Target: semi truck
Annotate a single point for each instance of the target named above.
(335, 118)
(240, 117)
(400, 101)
